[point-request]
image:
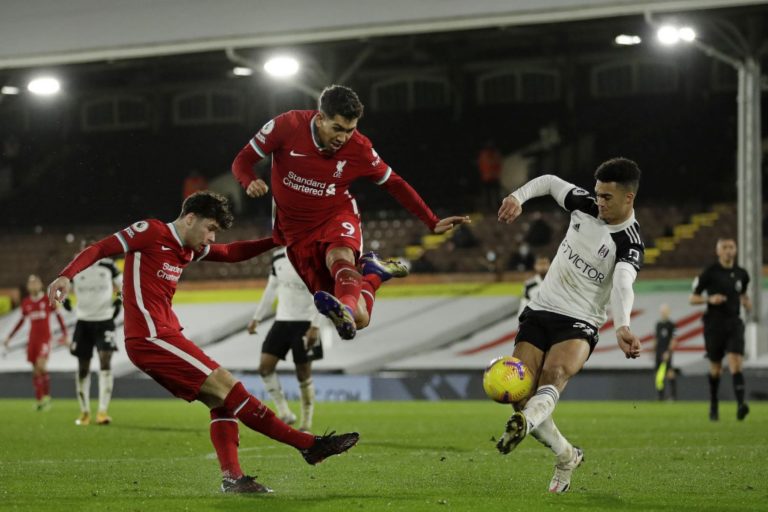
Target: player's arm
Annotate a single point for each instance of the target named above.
(15, 329)
(236, 251)
(407, 196)
(698, 297)
(548, 184)
(312, 336)
(64, 340)
(264, 307)
(104, 248)
(622, 300)
(242, 168)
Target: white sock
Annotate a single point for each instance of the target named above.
(83, 391)
(272, 385)
(307, 389)
(541, 405)
(548, 435)
(106, 382)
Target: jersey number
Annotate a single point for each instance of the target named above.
(349, 227)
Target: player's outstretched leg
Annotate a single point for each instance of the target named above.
(257, 416)
(561, 481)
(341, 315)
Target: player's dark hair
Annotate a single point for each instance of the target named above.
(620, 170)
(209, 205)
(340, 100)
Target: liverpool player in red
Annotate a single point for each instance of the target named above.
(156, 254)
(36, 308)
(316, 155)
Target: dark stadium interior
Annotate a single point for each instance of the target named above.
(119, 143)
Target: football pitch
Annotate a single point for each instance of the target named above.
(639, 456)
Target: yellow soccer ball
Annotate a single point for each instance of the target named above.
(507, 380)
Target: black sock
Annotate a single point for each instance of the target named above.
(673, 389)
(738, 387)
(714, 384)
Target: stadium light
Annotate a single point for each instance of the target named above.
(242, 71)
(281, 67)
(44, 86)
(670, 34)
(9, 90)
(627, 40)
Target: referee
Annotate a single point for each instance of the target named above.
(723, 288)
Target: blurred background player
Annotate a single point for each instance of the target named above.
(296, 330)
(531, 289)
(597, 262)
(36, 309)
(665, 345)
(156, 255)
(96, 309)
(725, 285)
(316, 155)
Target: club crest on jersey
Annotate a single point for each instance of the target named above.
(339, 168)
(603, 251)
(376, 158)
(738, 286)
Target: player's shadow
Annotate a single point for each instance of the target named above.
(416, 446)
(154, 428)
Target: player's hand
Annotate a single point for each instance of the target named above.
(510, 209)
(64, 340)
(4, 352)
(311, 337)
(257, 188)
(716, 299)
(628, 342)
(58, 290)
(449, 223)
(252, 326)
(665, 356)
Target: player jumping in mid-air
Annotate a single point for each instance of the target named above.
(316, 155)
(156, 255)
(36, 309)
(597, 261)
(96, 310)
(296, 329)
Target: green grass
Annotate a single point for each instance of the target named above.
(412, 456)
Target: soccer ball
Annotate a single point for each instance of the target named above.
(507, 380)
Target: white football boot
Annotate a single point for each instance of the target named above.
(561, 481)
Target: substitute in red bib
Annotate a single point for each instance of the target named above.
(156, 255)
(316, 155)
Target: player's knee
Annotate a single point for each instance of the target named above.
(556, 375)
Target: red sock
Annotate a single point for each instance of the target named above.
(38, 384)
(46, 378)
(225, 439)
(257, 416)
(348, 283)
(371, 283)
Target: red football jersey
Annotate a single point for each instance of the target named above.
(38, 312)
(155, 258)
(311, 186)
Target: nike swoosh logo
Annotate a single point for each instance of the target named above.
(165, 248)
(293, 153)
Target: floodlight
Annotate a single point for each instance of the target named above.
(627, 40)
(282, 67)
(44, 86)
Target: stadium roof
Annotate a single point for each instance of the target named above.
(40, 32)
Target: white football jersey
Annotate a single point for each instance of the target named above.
(93, 288)
(294, 302)
(578, 283)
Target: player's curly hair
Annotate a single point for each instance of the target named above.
(209, 205)
(620, 170)
(340, 100)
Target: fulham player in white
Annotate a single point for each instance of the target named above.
(596, 262)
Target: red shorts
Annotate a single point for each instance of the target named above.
(37, 349)
(173, 361)
(308, 255)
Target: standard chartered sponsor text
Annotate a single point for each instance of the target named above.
(304, 185)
